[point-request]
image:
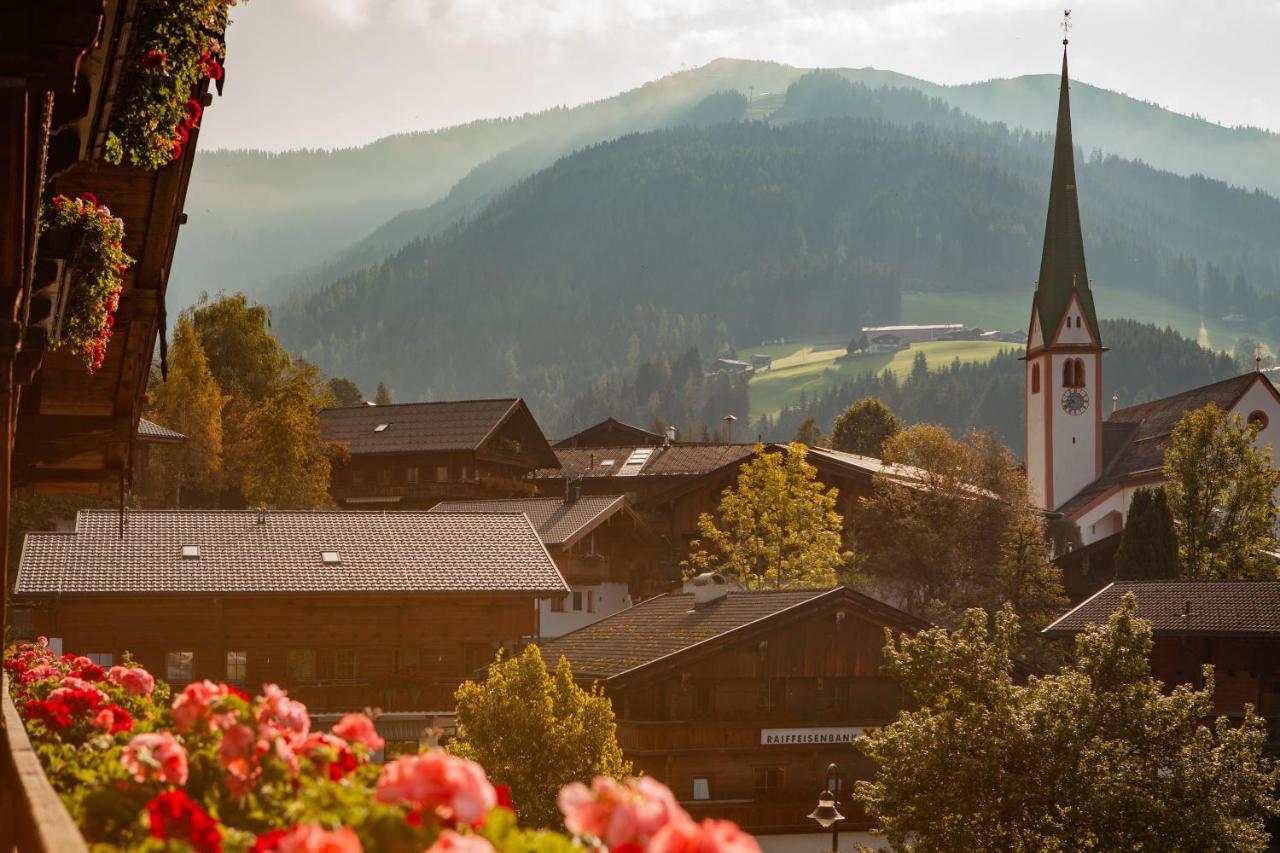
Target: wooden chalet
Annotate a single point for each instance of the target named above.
(343, 609)
(414, 455)
(740, 700)
(603, 549)
(1233, 625)
(67, 431)
(612, 432)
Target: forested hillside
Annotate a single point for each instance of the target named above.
(1144, 363)
(305, 218)
(726, 235)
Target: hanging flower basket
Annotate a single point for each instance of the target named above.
(89, 239)
(177, 44)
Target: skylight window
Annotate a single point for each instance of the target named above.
(635, 462)
(381, 427)
(606, 463)
(330, 558)
(190, 552)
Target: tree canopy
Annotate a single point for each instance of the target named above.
(777, 528)
(864, 427)
(1149, 542)
(189, 402)
(1094, 757)
(536, 731)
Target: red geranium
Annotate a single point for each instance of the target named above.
(64, 706)
(174, 816)
(194, 111)
(153, 59)
(268, 841)
(89, 672)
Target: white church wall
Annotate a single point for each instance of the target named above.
(1075, 437)
(1075, 330)
(1036, 431)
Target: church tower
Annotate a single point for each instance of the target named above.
(1064, 348)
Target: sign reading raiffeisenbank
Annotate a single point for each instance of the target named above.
(813, 737)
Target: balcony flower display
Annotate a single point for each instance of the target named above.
(213, 769)
(177, 43)
(90, 238)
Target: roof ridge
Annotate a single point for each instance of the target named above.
(1249, 376)
(383, 406)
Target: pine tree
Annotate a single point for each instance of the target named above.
(189, 402)
(288, 466)
(1221, 493)
(536, 731)
(382, 396)
(809, 434)
(1149, 543)
(778, 528)
(864, 427)
(346, 392)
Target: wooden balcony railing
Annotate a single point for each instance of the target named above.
(32, 818)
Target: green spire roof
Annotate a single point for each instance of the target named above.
(1062, 266)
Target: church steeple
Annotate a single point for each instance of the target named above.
(1063, 274)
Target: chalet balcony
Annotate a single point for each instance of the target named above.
(432, 491)
(354, 695)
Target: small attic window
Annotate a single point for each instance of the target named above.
(330, 558)
(605, 463)
(381, 427)
(190, 552)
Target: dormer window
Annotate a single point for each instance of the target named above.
(190, 552)
(330, 558)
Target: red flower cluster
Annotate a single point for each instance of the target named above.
(153, 59)
(211, 66)
(64, 706)
(173, 816)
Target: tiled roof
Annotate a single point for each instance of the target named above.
(677, 460)
(1134, 439)
(1215, 608)
(455, 425)
(610, 428)
(152, 431)
(557, 522)
(378, 552)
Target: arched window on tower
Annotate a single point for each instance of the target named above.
(1073, 373)
(1035, 379)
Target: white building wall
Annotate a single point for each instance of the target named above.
(1075, 437)
(1036, 473)
(596, 602)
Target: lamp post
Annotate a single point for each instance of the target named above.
(826, 814)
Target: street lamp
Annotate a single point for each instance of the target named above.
(826, 814)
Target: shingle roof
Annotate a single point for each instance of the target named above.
(611, 428)
(454, 425)
(378, 552)
(557, 522)
(678, 460)
(1217, 608)
(152, 431)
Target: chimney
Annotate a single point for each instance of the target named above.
(709, 587)
(572, 489)
(671, 436)
(1115, 401)
(262, 517)
(728, 427)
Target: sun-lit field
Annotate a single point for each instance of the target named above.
(797, 368)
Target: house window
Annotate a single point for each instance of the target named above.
(178, 667)
(384, 476)
(102, 659)
(701, 788)
(406, 659)
(591, 601)
(357, 477)
(442, 473)
(1035, 379)
(475, 657)
(464, 473)
(344, 665)
(767, 782)
(772, 693)
(557, 603)
(237, 667)
(577, 601)
(411, 475)
(300, 665)
(1259, 418)
(704, 700)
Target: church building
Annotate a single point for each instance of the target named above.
(1081, 466)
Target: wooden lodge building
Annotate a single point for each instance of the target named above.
(414, 455)
(346, 610)
(1233, 625)
(603, 549)
(740, 700)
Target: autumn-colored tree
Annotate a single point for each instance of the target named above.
(382, 396)
(1221, 493)
(246, 359)
(536, 731)
(864, 427)
(190, 402)
(777, 528)
(1095, 757)
(1149, 542)
(809, 433)
(952, 527)
(288, 466)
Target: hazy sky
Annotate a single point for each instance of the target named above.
(331, 73)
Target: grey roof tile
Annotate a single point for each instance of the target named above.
(1180, 607)
(415, 427)
(556, 521)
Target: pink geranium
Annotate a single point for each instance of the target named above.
(282, 713)
(195, 706)
(357, 728)
(134, 679)
(453, 842)
(710, 836)
(315, 839)
(155, 756)
(619, 813)
(454, 788)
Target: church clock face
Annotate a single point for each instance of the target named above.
(1075, 401)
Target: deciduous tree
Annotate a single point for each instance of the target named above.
(288, 466)
(536, 731)
(190, 402)
(1094, 757)
(1149, 543)
(345, 392)
(864, 427)
(777, 528)
(1221, 492)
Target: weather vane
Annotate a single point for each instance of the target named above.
(1066, 25)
